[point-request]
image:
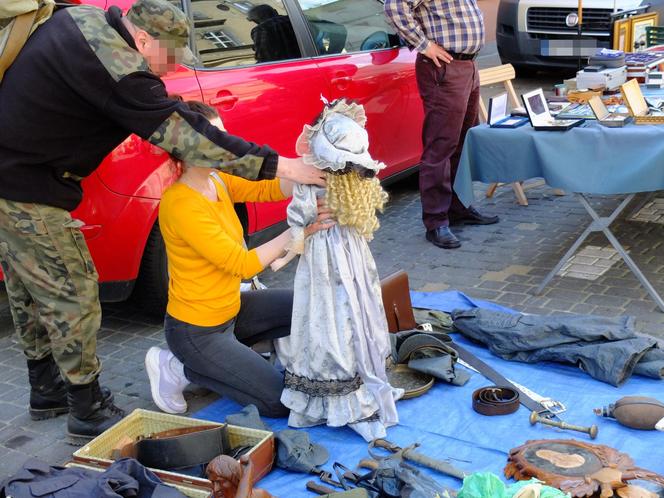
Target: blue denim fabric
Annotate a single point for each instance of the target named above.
(606, 348)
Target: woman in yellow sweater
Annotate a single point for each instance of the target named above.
(210, 325)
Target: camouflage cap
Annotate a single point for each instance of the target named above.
(164, 21)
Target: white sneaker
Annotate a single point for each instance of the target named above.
(167, 380)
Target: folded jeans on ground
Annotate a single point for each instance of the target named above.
(606, 348)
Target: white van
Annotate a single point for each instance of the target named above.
(532, 34)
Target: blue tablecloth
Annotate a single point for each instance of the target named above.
(591, 159)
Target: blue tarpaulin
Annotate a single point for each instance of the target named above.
(444, 423)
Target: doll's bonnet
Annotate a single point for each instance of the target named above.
(338, 137)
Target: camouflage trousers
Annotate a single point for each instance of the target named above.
(52, 287)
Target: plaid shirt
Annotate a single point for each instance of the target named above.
(455, 25)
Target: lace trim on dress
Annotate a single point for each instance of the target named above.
(321, 388)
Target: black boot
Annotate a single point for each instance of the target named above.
(48, 392)
(90, 413)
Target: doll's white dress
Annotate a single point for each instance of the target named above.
(334, 358)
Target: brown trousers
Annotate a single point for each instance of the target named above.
(450, 95)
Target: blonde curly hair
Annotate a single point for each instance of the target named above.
(354, 201)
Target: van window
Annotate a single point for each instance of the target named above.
(342, 26)
(239, 33)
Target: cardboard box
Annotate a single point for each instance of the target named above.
(145, 422)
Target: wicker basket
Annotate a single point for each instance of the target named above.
(145, 422)
(190, 491)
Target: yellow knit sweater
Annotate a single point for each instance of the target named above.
(204, 243)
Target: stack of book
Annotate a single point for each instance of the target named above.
(640, 64)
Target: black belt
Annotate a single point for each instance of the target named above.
(495, 400)
(497, 378)
(179, 448)
(462, 57)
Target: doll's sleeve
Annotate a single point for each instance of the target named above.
(302, 211)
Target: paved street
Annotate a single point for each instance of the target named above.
(502, 262)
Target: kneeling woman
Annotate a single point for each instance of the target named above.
(210, 325)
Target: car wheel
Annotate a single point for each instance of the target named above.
(151, 289)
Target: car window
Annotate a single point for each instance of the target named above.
(341, 26)
(237, 33)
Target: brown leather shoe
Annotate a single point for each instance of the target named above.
(472, 217)
(443, 237)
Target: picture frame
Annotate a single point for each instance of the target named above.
(498, 117)
(638, 40)
(622, 31)
(633, 97)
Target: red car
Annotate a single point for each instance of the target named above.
(264, 66)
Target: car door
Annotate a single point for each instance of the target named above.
(362, 59)
(253, 71)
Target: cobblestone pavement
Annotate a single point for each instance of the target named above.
(502, 262)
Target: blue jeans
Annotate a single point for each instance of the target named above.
(220, 358)
(607, 348)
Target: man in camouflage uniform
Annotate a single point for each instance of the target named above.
(83, 82)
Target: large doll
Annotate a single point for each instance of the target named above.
(335, 356)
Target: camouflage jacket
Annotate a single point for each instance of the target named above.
(77, 89)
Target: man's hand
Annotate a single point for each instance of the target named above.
(437, 53)
(297, 171)
(323, 221)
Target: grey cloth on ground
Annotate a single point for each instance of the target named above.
(295, 451)
(430, 353)
(125, 478)
(248, 417)
(606, 348)
(395, 477)
(439, 320)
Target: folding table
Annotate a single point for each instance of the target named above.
(587, 160)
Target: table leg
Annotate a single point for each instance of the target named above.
(601, 224)
(564, 259)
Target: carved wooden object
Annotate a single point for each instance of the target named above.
(575, 467)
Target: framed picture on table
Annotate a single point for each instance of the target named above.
(638, 38)
(622, 30)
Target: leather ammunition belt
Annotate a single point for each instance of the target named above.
(495, 400)
(177, 448)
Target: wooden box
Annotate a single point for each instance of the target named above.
(145, 422)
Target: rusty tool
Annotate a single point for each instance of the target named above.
(319, 488)
(368, 463)
(535, 418)
(413, 456)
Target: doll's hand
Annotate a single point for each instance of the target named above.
(324, 220)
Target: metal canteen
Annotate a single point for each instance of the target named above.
(637, 412)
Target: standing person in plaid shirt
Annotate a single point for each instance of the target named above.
(448, 34)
